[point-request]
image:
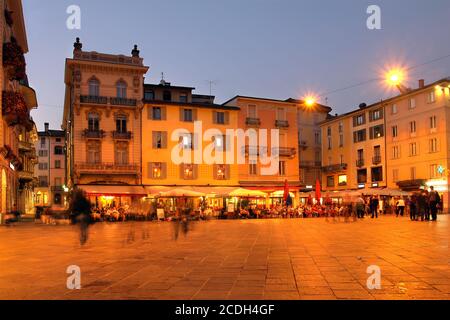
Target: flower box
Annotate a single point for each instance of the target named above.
(14, 108)
(14, 60)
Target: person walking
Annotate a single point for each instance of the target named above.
(374, 206)
(433, 201)
(400, 207)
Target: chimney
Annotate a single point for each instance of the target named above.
(421, 83)
(46, 126)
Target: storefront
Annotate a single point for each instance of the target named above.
(114, 196)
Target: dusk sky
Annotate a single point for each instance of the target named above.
(274, 49)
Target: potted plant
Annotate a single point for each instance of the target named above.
(14, 108)
(14, 60)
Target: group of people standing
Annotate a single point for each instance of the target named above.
(423, 205)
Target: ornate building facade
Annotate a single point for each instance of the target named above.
(102, 120)
(16, 126)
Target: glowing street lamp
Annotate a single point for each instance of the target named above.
(395, 78)
(310, 101)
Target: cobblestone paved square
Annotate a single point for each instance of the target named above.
(241, 259)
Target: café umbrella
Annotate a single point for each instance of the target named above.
(318, 191)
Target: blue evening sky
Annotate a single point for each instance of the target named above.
(265, 48)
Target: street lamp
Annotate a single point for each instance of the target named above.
(395, 78)
(310, 101)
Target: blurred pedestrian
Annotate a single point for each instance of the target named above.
(360, 207)
(374, 206)
(80, 212)
(433, 201)
(400, 207)
(413, 207)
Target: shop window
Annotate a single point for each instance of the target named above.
(342, 180)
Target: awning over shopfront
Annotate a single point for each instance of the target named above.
(180, 193)
(115, 191)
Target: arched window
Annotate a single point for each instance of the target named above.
(121, 89)
(94, 87)
(93, 122)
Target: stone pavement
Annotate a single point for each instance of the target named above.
(248, 259)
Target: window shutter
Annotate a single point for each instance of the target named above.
(355, 137)
(181, 114)
(371, 132)
(354, 121)
(227, 117)
(215, 171)
(227, 172)
(194, 171)
(163, 113)
(163, 170)
(164, 140)
(149, 170)
(154, 136)
(371, 116)
(194, 141)
(214, 117)
(224, 143)
(150, 113)
(194, 114)
(182, 171)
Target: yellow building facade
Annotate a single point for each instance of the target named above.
(169, 109)
(102, 120)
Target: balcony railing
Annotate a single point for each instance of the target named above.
(335, 167)
(253, 121)
(25, 146)
(254, 150)
(281, 123)
(310, 164)
(121, 135)
(93, 134)
(123, 101)
(94, 99)
(285, 152)
(360, 163)
(107, 168)
(25, 175)
(376, 160)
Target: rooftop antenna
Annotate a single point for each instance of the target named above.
(326, 101)
(211, 83)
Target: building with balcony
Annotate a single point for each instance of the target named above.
(418, 137)
(17, 98)
(102, 120)
(203, 140)
(353, 149)
(263, 114)
(50, 170)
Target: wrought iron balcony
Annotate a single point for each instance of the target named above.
(335, 167)
(253, 150)
(376, 160)
(360, 163)
(107, 168)
(310, 164)
(94, 99)
(285, 152)
(121, 135)
(281, 123)
(25, 176)
(93, 134)
(253, 121)
(57, 189)
(123, 101)
(25, 146)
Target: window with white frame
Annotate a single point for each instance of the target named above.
(412, 127)
(394, 109)
(413, 149)
(394, 131)
(431, 97)
(121, 88)
(412, 103)
(433, 122)
(433, 145)
(395, 152)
